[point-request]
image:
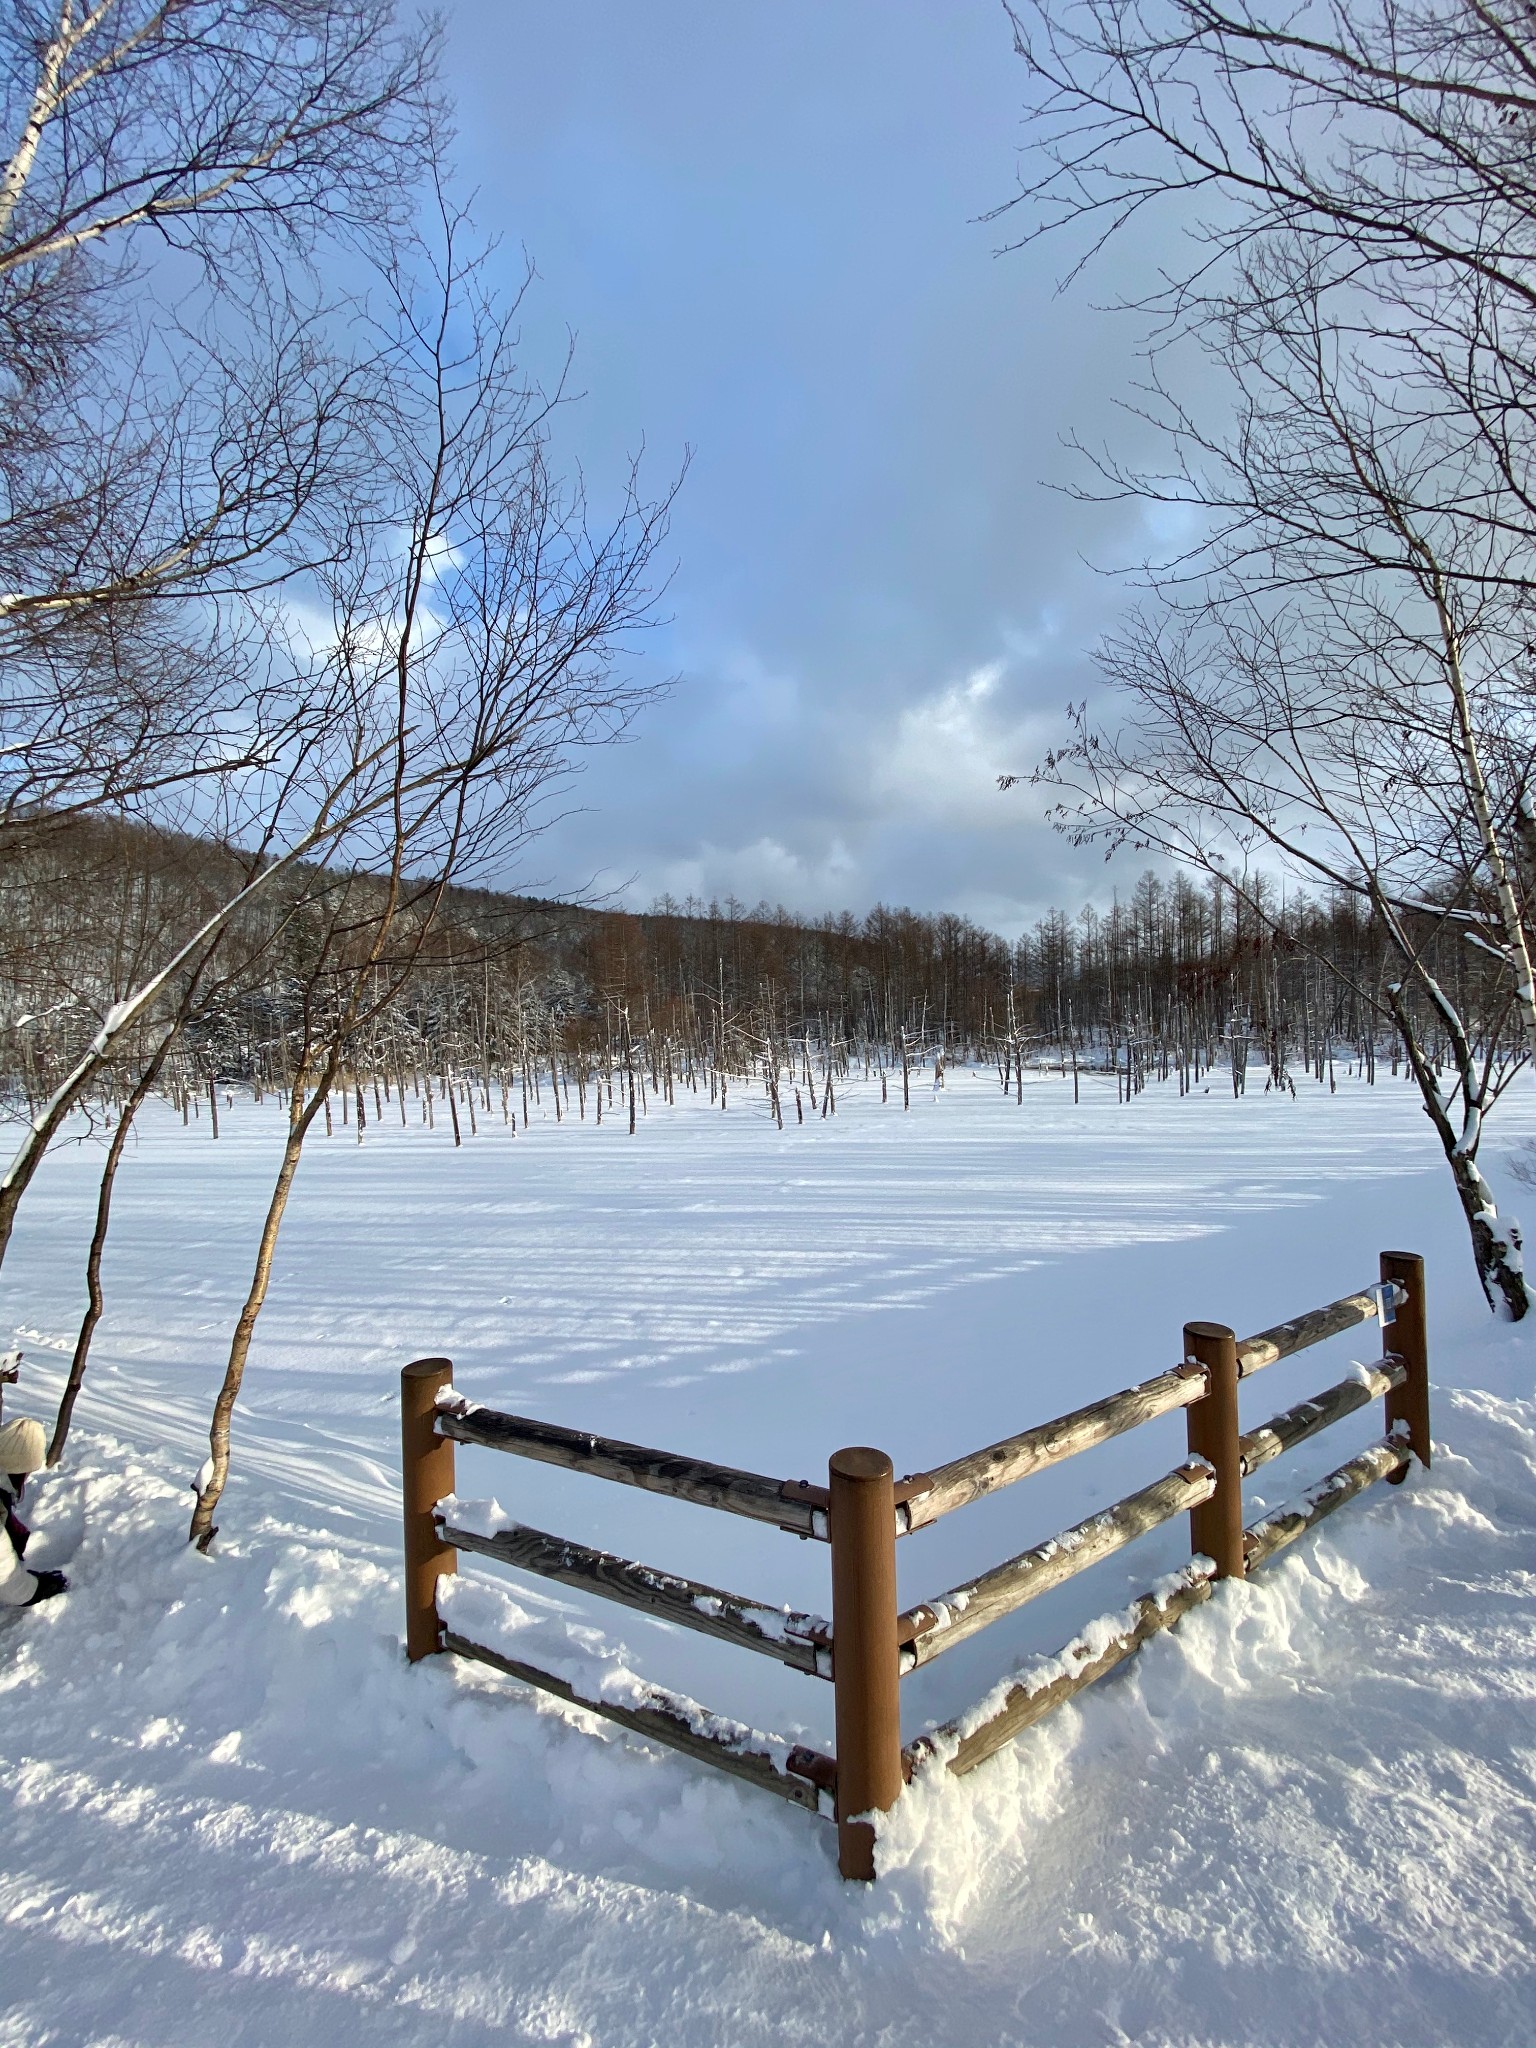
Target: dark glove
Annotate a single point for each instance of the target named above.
(49, 1585)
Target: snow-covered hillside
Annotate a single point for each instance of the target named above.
(232, 1813)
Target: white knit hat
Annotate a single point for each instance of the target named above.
(22, 1447)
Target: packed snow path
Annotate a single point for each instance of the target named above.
(232, 1813)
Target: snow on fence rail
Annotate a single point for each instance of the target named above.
(868, 1647)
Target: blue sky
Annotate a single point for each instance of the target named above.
(761, 224)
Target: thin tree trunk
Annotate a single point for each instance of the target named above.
(94, 1296)
(1496, 1240)
(216, 1473)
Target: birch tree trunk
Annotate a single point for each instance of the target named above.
(215, 1474)
(1496, 1240)
(95, 1299)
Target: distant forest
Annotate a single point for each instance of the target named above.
(496, 1001)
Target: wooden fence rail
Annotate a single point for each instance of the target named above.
(966, 1479)
(1284, 1432)
(793, 1639)
(940, 1624)
(1285, 1339)
(863, 1510)
(796, 1506)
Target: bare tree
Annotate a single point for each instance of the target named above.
(1339, 678)
(1389, 140)
(477, 620)
(209, 122)
(171, 404)
(1335, 684)
(179, 421)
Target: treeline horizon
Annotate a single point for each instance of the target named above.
(521, 993)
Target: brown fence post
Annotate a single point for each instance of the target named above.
(861, 1522)
(426, 1461)
(1408, 1338)
(1216, 1526)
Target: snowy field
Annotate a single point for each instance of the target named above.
(232, 1813)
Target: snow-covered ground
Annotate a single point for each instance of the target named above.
(232, 1813)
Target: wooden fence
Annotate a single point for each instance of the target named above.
(863, 1510)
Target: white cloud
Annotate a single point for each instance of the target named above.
(763, 870)
(941, 760)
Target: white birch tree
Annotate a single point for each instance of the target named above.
(479, 622)
(1335, 684)
(177, 420)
